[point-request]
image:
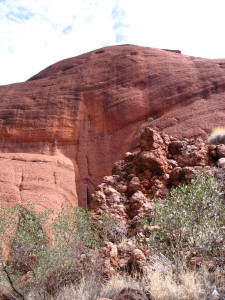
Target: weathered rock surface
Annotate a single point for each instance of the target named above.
(92, 107)
(127, 195)
(147, 174)
(43, 180)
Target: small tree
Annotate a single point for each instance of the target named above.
(191, 218)
(33, 262)
(23, 244)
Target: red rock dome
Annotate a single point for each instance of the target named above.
(91, 108)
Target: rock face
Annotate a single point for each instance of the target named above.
(46, 181)
(92, 108)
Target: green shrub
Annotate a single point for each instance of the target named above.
(150, 119)
(74, 225)
(23, 244)
(51, 260)
(190, 219)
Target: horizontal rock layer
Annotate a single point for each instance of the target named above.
(92, 107)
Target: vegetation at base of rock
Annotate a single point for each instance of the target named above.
(161, 283)
(189, 220)
(23, 245)
(63, 258)
(33, 260)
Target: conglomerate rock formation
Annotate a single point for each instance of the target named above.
(92, 108)
(161, 163)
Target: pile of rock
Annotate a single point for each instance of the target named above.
(161, 163)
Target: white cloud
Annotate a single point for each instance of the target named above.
(195, 26)
(37, 33)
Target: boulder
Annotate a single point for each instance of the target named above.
(153, 161)
(177, 147)
(150, 139)
(221, 162)
(220, 150)
(131, 294)
(137, 255)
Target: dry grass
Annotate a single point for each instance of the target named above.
(160, 281)
(186, 286)
(91, 288)
(114, 286)
(165, 282)
(87, 289)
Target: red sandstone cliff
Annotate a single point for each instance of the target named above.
(91, 108)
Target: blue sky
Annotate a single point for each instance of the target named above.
(37, 33)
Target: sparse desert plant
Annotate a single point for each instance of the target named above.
(87, 289)
(75, 243)
(32, 263)
(74, 224)
(217, 136)
(150, 119)
(190, 219)
(117, 283)
(23, 244)
(37, 263)
(92, 287)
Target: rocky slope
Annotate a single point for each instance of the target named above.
(92, 108)
(161, 163)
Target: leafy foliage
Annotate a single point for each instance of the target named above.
(42, 255)
(191, 218)
(23, 244)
